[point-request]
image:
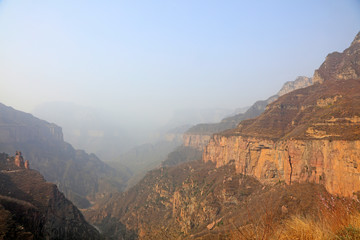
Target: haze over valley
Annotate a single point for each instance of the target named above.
(179, 120)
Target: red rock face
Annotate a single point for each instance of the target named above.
(335, 164)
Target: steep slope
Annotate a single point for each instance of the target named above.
(199, 135)
(34, 209)
(311, 134)
(170, 202)
(198, 201)
(82, 177)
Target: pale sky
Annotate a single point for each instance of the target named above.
(143, 59)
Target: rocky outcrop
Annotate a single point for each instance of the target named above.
(199, 135)
(340, 66)
(299, 82)
(33, 209)
(19, 160)
(308, 135)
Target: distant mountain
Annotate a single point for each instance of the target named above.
(82, 177)
(199, 135)
(194, 116)
(180, 155)
(144, 158)
(90, 129)
(31, 208)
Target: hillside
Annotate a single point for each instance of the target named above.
(34, 209)
(198, 201)
(82, 177)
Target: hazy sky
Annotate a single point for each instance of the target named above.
(146, 58)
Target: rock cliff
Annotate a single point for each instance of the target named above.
(308, 135)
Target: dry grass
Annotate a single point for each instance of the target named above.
(309, 229)
(336, 219)
(305, 228)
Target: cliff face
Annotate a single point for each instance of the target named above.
(81, 176)
(308, 135)
(199, 135)
(33, 209)
(331, 163)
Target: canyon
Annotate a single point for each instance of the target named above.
(299, 156)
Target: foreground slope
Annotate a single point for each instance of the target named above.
(199, 201)
(31, 208)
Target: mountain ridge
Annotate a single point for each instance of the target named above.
(81, 176)
(34, 209)
(199, 135)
